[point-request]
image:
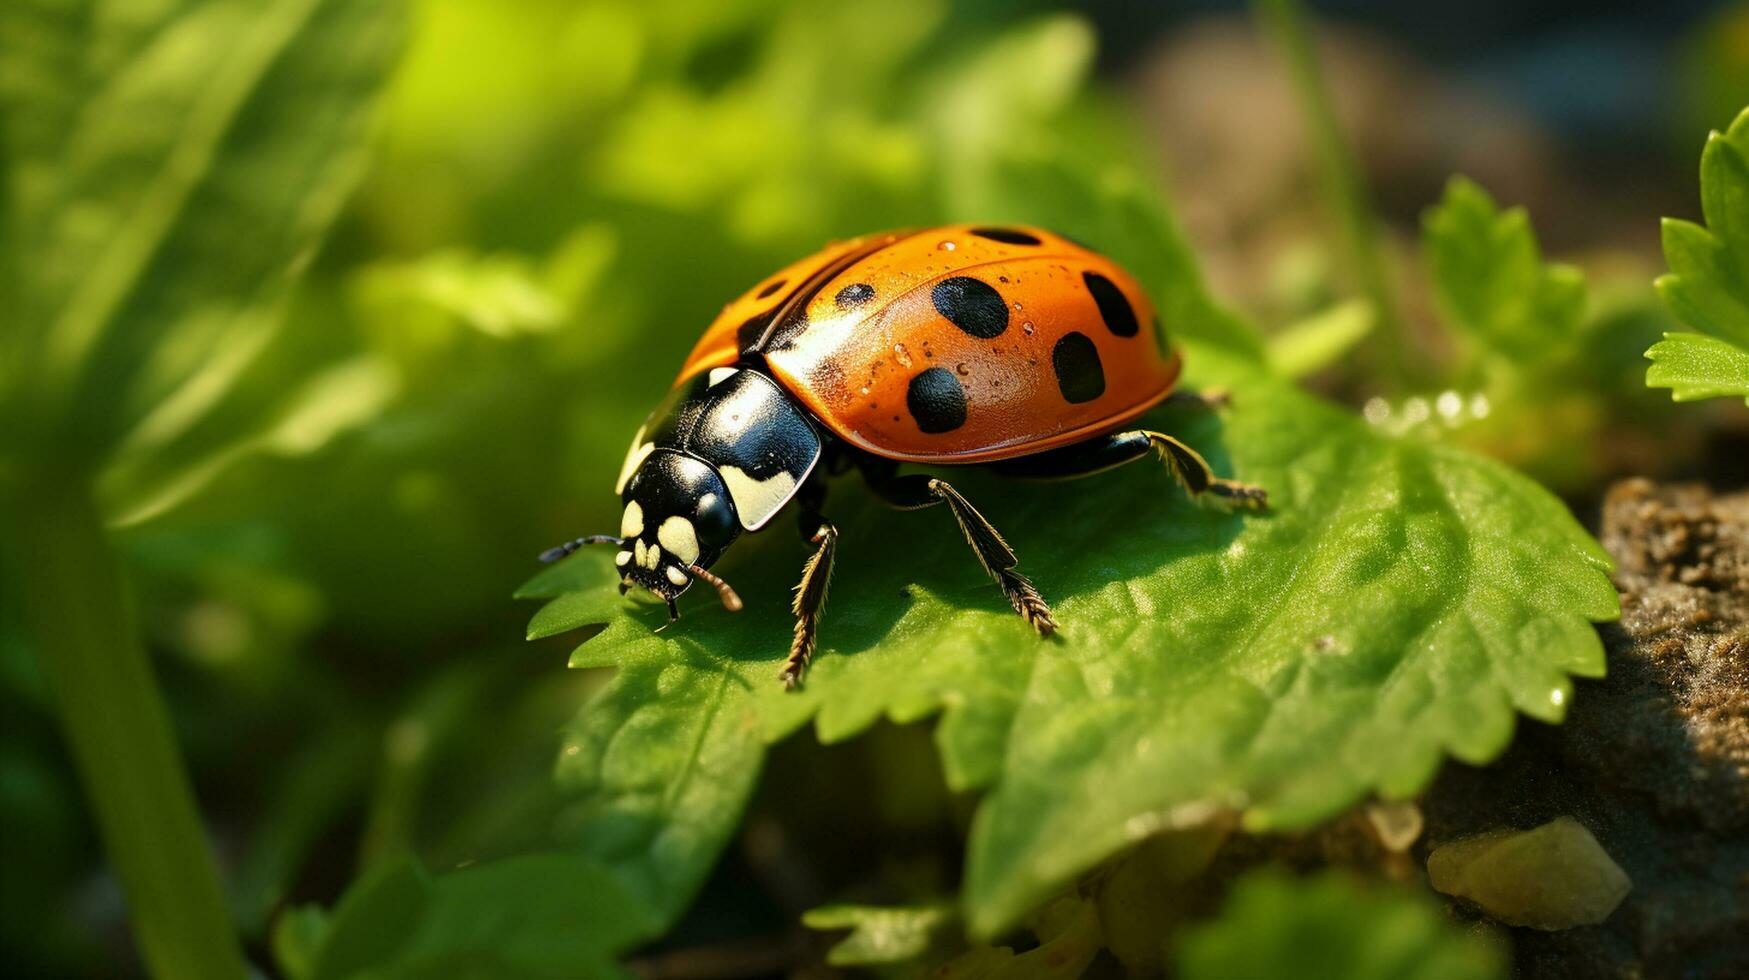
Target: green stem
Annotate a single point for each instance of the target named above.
(76, 608)
(1345, 191)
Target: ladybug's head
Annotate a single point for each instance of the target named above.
(678, 520)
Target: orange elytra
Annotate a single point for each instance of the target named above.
(1046, 341)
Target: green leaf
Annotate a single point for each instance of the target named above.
(1321, 339)
(1334, 926)
(542, 916)
(297, 939)
(173, 169)
(1491, 280)
(881, 934)
(661, 762)
(1708, 283)
(141, 485)
(500, 295)
(1398, 602)
(1694, 366)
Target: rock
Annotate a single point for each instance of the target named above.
(1681, 652)
(1553, 877)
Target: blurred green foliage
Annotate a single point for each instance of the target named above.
(524, 918)
(1492, 281)
(169, 170)
(1333, 926)
(322, 495)
(880, 935)
(1545, 370)
(1712, 72)
(1140, 910)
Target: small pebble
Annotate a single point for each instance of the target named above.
(1553, 877)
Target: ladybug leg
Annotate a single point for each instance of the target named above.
(918, 491)
(810, 600)
(1108, 452)
(811, 591)
(1192, 471)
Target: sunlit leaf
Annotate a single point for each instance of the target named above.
(1398, 602)
(1333, 926)
(1708, 283)
(1695, 366)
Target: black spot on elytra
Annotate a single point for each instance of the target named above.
(854, 295)
(1114, 309)
(1080, 376)
(768, 290)
(972, 305)
(937, 400)
(1008, 236)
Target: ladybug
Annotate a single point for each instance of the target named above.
(1008, 347)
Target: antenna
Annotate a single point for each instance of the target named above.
(731, 601)
(564, 550)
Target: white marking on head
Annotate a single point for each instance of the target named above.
(634, 459)
(678, 536)
(756, 500)
(720, 375)
(622, 559)
(632, 524)
(652, 557)
(676, 576)
(642, 550)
